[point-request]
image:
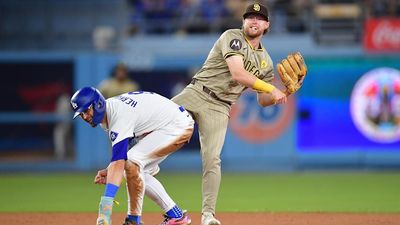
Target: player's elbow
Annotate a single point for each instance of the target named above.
(236, 76)
(240, 77)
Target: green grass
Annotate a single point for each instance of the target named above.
(298, 192)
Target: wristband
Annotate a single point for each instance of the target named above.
(111, 190)
(262, 86)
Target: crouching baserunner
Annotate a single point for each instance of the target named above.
(158, 127)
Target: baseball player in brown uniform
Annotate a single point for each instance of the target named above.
(237, 61)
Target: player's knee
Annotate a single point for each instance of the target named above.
(185, 137)
(132, 169)
(211, 162)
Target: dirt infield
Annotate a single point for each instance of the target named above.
(226, 218)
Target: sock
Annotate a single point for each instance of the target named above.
(134, 218)
(156, 192)
(175, 212)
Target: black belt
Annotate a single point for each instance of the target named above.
(211, 93)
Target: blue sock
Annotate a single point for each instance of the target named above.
(175, 212)
(134, 218)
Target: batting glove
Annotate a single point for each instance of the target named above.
(105, 211)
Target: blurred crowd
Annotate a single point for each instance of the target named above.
(208, 16)
(382, 8)
(75, 24)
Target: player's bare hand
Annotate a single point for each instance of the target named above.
(278, 96)
(101, 177)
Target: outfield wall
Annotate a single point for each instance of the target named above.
(314, 130)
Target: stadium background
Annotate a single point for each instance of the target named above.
(50, 48)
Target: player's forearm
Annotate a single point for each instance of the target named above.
(243, 77)
(115, 172)
(250, 81)
(262, 86)
(240, 75)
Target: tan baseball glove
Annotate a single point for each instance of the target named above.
(292, 71)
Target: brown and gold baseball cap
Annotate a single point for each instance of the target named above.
(258, 9)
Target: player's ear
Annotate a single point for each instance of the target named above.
(266, 27)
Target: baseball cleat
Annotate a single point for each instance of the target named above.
(130, 222)
(209, 219)
(184, 220)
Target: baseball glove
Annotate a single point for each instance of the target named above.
(292, 71)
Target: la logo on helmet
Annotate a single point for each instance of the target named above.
(74, 105)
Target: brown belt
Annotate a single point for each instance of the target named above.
(210, 93)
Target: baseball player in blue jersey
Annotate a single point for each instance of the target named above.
(158, 127)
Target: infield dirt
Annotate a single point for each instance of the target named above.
(234, 218)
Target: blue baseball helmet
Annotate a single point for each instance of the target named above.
(86, 97)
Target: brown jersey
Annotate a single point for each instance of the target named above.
(215, 73)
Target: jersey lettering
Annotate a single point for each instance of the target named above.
(128, 101)
(249, 67)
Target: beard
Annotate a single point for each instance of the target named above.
(251, 33)
(90, 122)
